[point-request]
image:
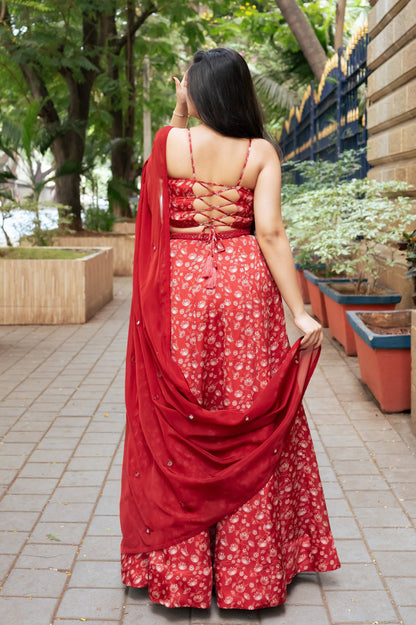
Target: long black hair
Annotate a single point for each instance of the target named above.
(222, 91)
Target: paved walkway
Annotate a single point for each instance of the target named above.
(62, 418)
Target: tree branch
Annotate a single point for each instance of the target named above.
(122, 41)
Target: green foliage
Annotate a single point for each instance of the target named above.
(345, 224)
(34, 253)
(407, 243)
(98, 219)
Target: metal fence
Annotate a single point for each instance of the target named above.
(332, 117)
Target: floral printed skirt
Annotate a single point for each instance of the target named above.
(229, 341)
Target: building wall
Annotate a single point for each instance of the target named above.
(391, 94)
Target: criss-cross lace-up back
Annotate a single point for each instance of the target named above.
(195, 202)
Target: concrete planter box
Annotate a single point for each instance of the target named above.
(384, 359)
(125, 227)
(55, 291)
(122, 244)
(337, 304)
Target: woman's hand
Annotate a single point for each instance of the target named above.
(311, 330)
(181, 95)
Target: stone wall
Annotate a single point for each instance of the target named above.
(391, 94)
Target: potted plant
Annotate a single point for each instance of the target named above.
(304, 209)
(408, 244)
(383, 349)
(371, 215)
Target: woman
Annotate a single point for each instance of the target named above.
(220, 482)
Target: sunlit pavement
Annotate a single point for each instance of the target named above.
(62, 418)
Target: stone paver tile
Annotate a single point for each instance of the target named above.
(15, 436)
(410, 507)
(101, 548)
(327, 474)
(112, 488)
(108, 506)
(57, 454)
(47, 556)
(98, 438)
(43, 469)
(23, 503)
(403, 590)
(401, 475)
(12, 542)
(32, 485)
(304, 590)
(338, 507)
(344, 527)
(396, 563)
(105, 526)
(157, 615)
(382, 517)
(68, 512)
(358, 606)
(137, 596)
(355, 467)
(215, 615)
(83, 478)
(6, 562)
(408, 615)
(363, 576)
(89, 464)
(76, 494)
(352, 551)
(348, 453)
(16, 449)
(12, 462)
(91, 603)
(64, 533)
(15, 610)
(19, 521)
(87, 450)
(390, 538)
(396, 461)
(376, 500)
(363, 482)
(332, 490)
(88, 574)
(294, 615)
(115, 472)
(34, 583)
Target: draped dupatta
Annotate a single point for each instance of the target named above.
(186, 467)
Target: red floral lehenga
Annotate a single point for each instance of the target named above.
(229, 340)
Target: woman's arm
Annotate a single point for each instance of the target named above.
(273, 242)
(180, 114)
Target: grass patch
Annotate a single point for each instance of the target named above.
(47, 253)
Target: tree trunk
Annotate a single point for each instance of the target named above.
(124, 170)
(305, 36)
(339, 23)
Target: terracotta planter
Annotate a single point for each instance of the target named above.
(337, 304)
(55, 291)
(316, 297)
(384, 359)
(303, 285)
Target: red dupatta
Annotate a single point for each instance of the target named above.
(186, 467)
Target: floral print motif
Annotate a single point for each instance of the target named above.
(229, 341)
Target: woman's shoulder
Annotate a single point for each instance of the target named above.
(265, 151)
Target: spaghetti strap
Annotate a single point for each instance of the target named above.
(245, 163)
(191, 153)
